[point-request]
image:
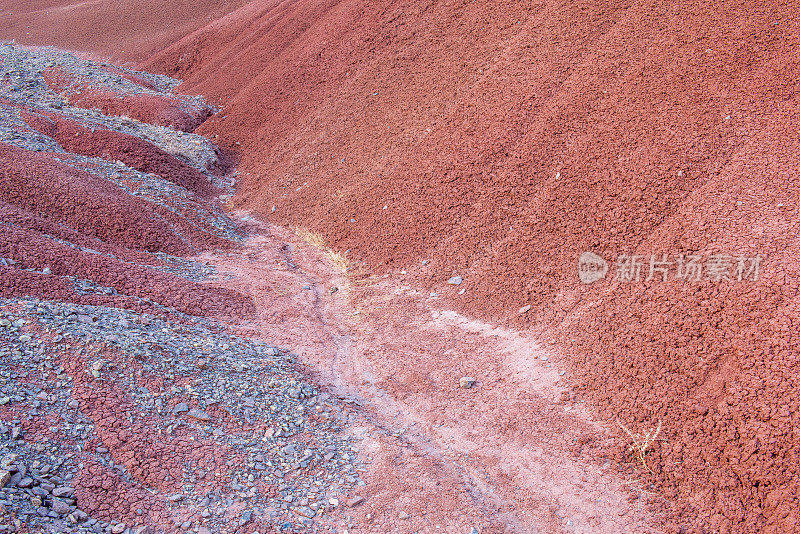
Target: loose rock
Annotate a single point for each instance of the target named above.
(466, 382)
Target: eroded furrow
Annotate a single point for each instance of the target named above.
(513, 453)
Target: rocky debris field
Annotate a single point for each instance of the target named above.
(470, 152)
(149, 191)
(114, 420)
(46, 77)
(126, 406)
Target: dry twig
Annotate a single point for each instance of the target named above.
(641, 442)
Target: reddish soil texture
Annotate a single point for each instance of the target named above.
(500, 140)
(121, 30)
(119, 497)
(37, 183)
(515, 453)
(66, 223)
(110, 145)
(40, 197)
(151, 456)
(137, 286)
(172, 111)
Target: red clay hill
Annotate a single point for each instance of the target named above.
(498, 141)
(100, 209)
(119, 29)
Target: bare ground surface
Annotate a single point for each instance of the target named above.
(514, 453)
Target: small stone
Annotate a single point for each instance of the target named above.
(26, 482)
(247, 515)
(119, 528)
(474, 530)
(179, 408)
(403, 515)
(355, 501)
(305, 511)
(455, 281)
(525, 309)
(175, 498)
(73, 404)
(466, 382)
(9, 460)
(16, 432)
(199, 415)
(5, 476)
(203, 530)
(63, 491)
(60, 507)
(4, 400)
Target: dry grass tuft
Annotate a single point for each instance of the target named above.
(312, 238)
(641, 442)
(338, 259)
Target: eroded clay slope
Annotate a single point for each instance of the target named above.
(498, 141)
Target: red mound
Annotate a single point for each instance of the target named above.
(110, 145)
(501, 140)
(131, 77)
(121, 29)
(41, 199)
(146, 108)
(170, 110)
(95, 207)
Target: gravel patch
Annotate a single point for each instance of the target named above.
(275, 436)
